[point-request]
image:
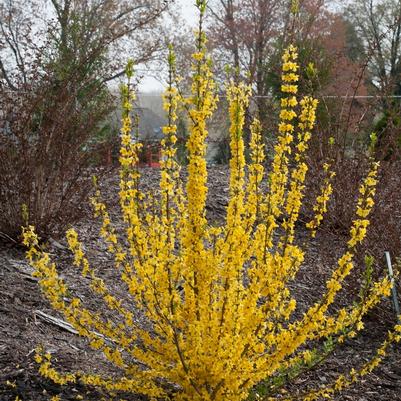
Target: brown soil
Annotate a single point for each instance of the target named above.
(22, 328)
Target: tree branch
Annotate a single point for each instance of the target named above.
(6, 77)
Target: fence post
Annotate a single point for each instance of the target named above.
(393, 287)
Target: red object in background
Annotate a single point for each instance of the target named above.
(149, 157)
(152, 155)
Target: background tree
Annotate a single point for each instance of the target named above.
(251, 35)
(243, 34)
(80, 31)
(378, 24)
(56, 58)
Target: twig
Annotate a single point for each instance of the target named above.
(11, 375)
(7, 237)
(65, 325)
(57, 322)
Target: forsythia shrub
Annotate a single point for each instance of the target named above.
(217, 297)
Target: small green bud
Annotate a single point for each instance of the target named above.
(25, 214)
(201, 5)
(369, 260)
(129, 69)
(228, 69)
(294, 7)
(171, 55)
(311, 71)
(124, 92)
(373, 142)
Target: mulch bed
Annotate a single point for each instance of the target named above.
(23, 327)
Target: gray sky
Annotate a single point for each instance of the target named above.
(189, 14)
(188, 8)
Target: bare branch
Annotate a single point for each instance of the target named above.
(6, 77)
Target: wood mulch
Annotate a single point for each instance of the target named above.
(26, 317)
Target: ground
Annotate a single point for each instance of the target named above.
(23, 312)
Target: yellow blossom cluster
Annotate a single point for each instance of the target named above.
(218, 299)
(320, 206)
(256, 173)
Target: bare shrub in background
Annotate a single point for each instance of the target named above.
(346, 124)
(45, 143)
